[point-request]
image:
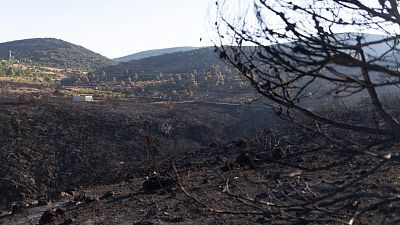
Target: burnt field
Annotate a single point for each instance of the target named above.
(48, 146)
(136, 162)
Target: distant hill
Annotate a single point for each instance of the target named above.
(154, 52)
(55, 53)
(175, 63)
(183, 62)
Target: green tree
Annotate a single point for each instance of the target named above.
(10, 71)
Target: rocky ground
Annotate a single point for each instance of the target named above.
(50, 176)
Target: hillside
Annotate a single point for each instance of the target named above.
(67, 163)
(54, 53)
(183, 62)
(154, 52)
(174, 63)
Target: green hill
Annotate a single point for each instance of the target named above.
(175, 63)
(54, 53)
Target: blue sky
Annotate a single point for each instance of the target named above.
(110, 27)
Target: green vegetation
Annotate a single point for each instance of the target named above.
(215, 84)
(53, 53)
(197, 74)
(11, 72)
(200, 60)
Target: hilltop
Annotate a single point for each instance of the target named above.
(154, 52)
(53, 53)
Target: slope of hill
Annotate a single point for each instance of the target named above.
(175, 63)
(52, 174)
(53, 52)
(154, 52)
(201, 59)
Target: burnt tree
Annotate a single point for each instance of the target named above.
(296, 53)
(327, 66)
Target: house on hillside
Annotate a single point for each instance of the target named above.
(82, 98)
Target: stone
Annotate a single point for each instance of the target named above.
(153, 184)
(107, 195)
(47, 217)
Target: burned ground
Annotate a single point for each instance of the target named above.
(66, 163)
(54, 145)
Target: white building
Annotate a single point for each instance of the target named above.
(82, 98)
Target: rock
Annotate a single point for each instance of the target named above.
(16, 208)
(174, 219)
(227, 167)
(11, 191)
(60, 211)
(278, 154)
(64, 194)
(240, 143)
(244, 159)
(186, 165)
(153, 184)
(42, 202)
(69, 221)
(262, 221)
(213, 145)
(72, 204)
(58, 196)
(84, 198)
(144, 223)
(47, 217)
(71, 191)
(107, 195)
(25, 204)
